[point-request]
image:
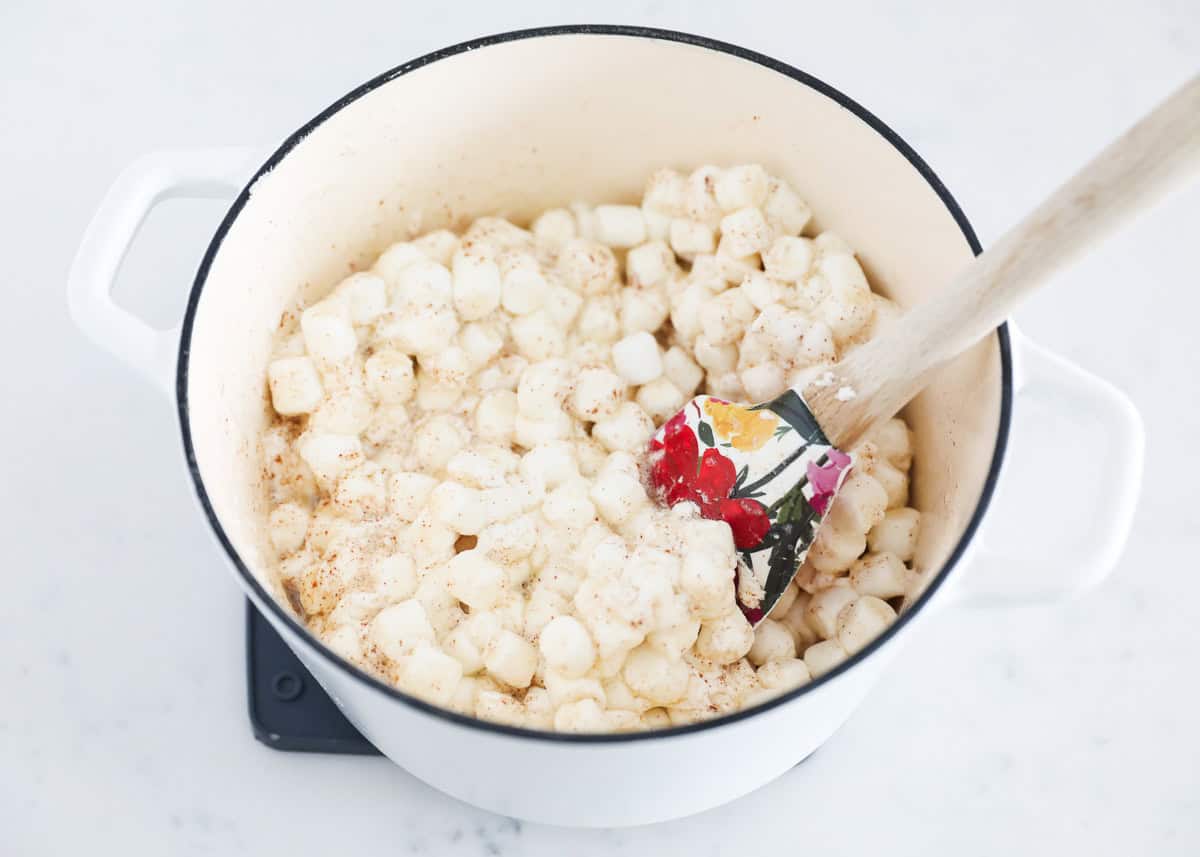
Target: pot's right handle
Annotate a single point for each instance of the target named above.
(1065, 502)
(197, 173)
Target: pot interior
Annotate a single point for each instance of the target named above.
(522, 125)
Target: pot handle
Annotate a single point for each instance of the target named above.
(194, 173)
(1066, 497)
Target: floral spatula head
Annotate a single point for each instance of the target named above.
(768, 471)
(771, 471)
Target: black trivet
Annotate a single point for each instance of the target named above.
(288, 709)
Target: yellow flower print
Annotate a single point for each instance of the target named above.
(745, 430)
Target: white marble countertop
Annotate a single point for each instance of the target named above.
(123, 723)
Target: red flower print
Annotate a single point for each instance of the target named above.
(713, 481)
(682, 474)
(747, 518)
(679, 451)
(824, 479)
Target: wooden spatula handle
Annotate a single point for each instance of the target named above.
(1128, 177)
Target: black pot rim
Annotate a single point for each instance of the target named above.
(263, 597)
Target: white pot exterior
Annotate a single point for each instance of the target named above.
(402, 155)
(589, 784)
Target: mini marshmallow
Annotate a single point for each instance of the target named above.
(596, 394)
(824, 607)
(458, 507)
(399, 630)
(395, 577)
(497, 234)
(761, 290)
(554, 228)
(431, 674)
(649, 265)
(896, 533)
(523, 285)
(772, 642)
(542, 387)
(742, 187)
(700, 202)
(598, 321)
(743, 232)
(726, 639)
(537, 337)
(408, 493)
(783, 674)
(567, 647)
(682, 371)
(689, 238)
(862, 621)
(686, 307)
(287, 527)
(390, 377)
(476, 285)
(654, 677)
(328, 456)
(480, 342)
(587, 267)
(328, 334)
(637, 359)
(617, 496)
(642, 310)
(763, 382)
(568, 508)
(475, 580)
(511, 659)
(725, 318)
(495, 416)
(789, 258)
(365, 295)
(821, 657)
(549, 465)
(785, 211)
(715, 358)
(295, 385)
(619, 225)
(665, 192)
(561, 305)
(629, 429)
(392, 262)
(660, 399)
(532, 431)
(437, 439)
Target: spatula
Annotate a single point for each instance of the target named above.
(772, 470)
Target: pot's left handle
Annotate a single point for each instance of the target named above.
(196, 173)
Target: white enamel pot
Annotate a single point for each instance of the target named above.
(524, 121)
